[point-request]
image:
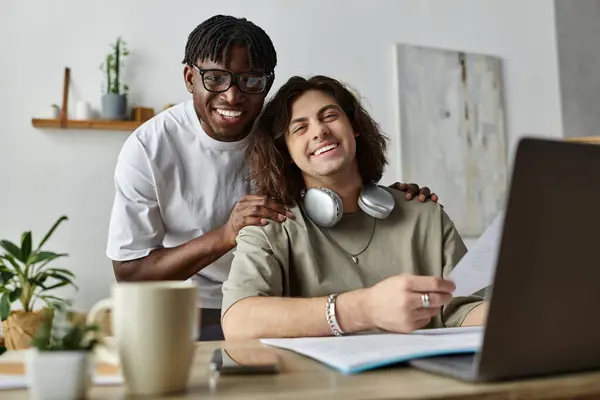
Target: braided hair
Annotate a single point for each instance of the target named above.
(213, 39)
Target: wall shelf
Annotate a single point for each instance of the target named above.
(139, 115)
(106, 125)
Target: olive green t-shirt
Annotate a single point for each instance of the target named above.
(297, 258)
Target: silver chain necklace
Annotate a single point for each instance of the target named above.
(354, 257)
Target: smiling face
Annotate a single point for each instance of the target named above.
(320, 138)
(226, 116)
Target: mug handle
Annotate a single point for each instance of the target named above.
(98, 309)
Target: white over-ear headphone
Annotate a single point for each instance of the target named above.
(324, 206)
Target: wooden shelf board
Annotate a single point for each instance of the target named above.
(106, 125)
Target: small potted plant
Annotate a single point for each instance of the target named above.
(114, 100)
(26, 277)
(59, 365)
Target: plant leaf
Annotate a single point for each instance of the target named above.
(40, 268)
(25, 246)
(46, 255)
(11, 260)
(60, 284)
(42, 337)
(62, 278)
(11, 249)
(61, 271)
(73, 338)
(50, 297)
(65, 281)
(4, 268)
(51, 231)
(38, 280)
(14, 295)
(6, 276)
(4, 307)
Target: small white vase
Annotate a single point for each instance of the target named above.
(83, 111)
(57, 375)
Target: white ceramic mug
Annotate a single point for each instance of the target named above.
(155, 326)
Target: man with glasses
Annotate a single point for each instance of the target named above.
(181, 189)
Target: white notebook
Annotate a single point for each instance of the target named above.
(354, 354)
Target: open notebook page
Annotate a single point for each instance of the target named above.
(352, 354)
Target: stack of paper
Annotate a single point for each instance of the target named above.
(353, 354)
(13, 376)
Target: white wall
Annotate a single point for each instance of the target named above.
(578, 50)
(49, 173)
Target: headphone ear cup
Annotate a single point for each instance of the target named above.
(323, 206)
(376, 201)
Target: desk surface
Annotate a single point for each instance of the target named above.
(303, 378)
(588, 139)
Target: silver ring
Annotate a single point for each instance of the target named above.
(425, 300)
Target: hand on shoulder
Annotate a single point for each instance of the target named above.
(253, 210)
(412, 190)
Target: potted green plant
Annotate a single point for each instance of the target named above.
(114, 100)
(27, 277)
(59, 364)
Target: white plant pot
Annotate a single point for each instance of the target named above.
(83, 111)
(61, 375)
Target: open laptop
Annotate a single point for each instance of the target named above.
(544, 315)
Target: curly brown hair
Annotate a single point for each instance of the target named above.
(272, 171)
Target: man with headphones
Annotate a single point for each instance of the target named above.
(181, 193)
(358, 256)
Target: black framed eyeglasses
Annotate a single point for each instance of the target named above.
(220, 80)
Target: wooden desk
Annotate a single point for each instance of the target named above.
(585, 139)
(303, 378)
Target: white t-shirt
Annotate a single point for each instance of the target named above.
(174, 183)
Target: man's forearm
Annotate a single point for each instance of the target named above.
(176, 263)
(260, 317)
(477, 316)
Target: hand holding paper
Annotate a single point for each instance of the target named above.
(395, 304)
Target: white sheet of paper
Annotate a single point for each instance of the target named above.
(353, 354)
(475, 270)
(449, 331)
(13, 382)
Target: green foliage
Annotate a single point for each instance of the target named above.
(113, 68)
(25, 273)
(62, 333)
